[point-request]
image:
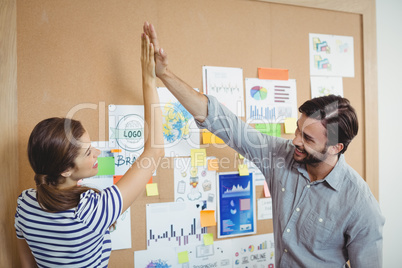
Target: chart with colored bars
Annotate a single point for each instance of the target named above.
(271, 100)
(174, 224)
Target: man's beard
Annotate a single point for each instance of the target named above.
(310, 159)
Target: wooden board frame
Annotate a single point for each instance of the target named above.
(9, 104)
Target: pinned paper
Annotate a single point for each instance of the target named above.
(290, 125)
(116, 178)
(241, 156)
(152, 189)
(209, 138)
(266, 190)
(207, 218)
(208, 239)
(273, 74)
(105, 166)
(243, 170)
(198, 157)
(183, 256)
(269, 129)
(213, 164)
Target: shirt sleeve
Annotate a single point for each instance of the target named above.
(16, 220)
(100, 210)
(365, 235)
(260, 148)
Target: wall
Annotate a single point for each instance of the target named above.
(389, 39)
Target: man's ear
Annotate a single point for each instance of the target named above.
(67, 173)
(336, 149)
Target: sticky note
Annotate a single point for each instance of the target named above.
(213, 164)
(116, 178)
(116, 151)
(198, 157)
(273, 74)
(266, 190)
(208, 239)
(241, 156)
(183, 256)
(207, 218)
(269, 129)
(150, 180)
(105, 166)
(152, 189)
(243, 170)
(209, 138)
(290, 125)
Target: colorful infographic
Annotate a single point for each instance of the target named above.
(236, 205)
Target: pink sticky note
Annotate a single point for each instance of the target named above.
(266, 190)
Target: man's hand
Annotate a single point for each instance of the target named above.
(160, 56)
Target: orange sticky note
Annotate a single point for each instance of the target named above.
(116, 178)
(266, 190)
(243, 170)
(150, 180)
(273, 74)
(213, 164)
(152, 189)
(207, 218)
(209, 138)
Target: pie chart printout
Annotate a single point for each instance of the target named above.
(259, 93)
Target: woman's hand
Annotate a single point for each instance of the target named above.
(147, 60)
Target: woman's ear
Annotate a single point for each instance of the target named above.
(66, 173)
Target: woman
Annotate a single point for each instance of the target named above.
(62, 224)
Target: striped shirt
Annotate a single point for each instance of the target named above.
(78, 237)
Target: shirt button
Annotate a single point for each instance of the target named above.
(297, 209)
(308, 186)
(285, 250)
(320, 220)
(288, 230)
(283, 189)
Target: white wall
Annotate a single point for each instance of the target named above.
(389, 51)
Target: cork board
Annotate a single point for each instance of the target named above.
(87, 52)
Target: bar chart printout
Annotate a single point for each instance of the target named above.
(174, 224)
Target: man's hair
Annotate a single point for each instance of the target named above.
(336, 115)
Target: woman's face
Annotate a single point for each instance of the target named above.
(86, 163)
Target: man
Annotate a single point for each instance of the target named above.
(324, 214)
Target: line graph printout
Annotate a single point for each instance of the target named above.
(226, 84)
(236, 205)
(270, 101)
(174, 224)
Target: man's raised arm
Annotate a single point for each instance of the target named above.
(196, 103)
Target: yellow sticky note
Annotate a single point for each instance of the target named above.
(152, 189)
(209, 138)
(213, 164)
(266, 190)
(183, 256)
(207, 218)
(241, 156)
(290, 125)
(243, 170)
(198, 157)
(208, 239)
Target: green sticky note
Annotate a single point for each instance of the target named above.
(269, 129)
(183, 256)
(208, 239)
(105, 166)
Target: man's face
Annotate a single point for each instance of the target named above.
(310, 141)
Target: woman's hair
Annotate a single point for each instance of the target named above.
(52, 148)
(336, 115)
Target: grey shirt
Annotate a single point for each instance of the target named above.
(316, 224)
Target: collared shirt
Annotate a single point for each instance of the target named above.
(319, 224)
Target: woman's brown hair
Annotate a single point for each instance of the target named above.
(52, 148)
